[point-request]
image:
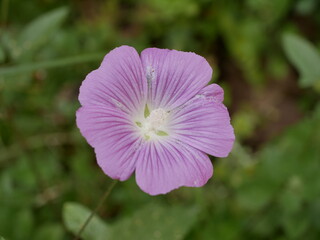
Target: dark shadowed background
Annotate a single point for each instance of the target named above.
(265, 54)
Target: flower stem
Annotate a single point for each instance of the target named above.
(101, 201)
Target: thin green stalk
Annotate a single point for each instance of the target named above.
(4, 12)
(49, 64)
(101, 201)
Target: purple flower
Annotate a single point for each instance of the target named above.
(153, 114)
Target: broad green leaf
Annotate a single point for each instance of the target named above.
(305, 57)
(1, 238)
(39, 31)
(156, 222)
(75, 214)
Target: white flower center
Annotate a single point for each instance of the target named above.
(154, 125)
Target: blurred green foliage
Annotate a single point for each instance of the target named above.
(305, 57)
(267, 188)
(171, 222)
(75, 215)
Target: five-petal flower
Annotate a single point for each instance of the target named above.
(154, 115)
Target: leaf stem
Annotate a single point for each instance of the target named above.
(29, 67)
(101, 201)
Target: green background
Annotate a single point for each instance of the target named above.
(265, 54)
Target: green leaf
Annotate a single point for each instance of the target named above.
(39, 31)
(156, 222)
(1, 238)
(74, 215)
(305, 57)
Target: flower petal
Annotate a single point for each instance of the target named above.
(113, 137)
(204, 123)
(119, 81)
(173, 77)
(166, 165)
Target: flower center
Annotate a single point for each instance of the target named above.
(154, 124)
